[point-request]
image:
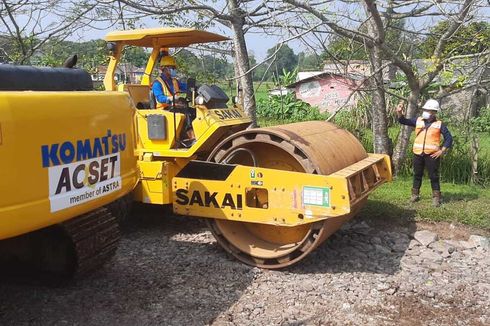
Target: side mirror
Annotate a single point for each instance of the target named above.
(111, 47)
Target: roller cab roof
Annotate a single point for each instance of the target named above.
(169, 37)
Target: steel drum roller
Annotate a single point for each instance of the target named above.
(315, 147)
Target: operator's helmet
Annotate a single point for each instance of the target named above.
(167, 61)
(431, 105)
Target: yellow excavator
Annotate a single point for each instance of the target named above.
(72, 159)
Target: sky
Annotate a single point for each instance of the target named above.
(258, 43)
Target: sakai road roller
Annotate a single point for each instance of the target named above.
(72, 158)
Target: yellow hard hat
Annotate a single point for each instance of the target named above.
(167, 61)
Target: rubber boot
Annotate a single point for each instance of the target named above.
(436, 198)
(415, 195)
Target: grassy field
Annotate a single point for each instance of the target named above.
(463, 204)
(261, 91)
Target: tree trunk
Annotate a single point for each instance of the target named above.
(474, 146)
(380, 123)
(242, 62)
(236, 69)
(382, 142)
(474, 149)
(400, 151)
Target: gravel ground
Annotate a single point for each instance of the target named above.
(170, 271)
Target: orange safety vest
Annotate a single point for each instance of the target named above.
(427, 140)
(166, 91)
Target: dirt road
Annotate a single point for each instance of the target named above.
(171, 272)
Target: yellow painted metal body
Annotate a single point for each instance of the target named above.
(288, 198)
(150, 166)
(208, 124)
(57, 121)
(159, 161)
(66, 153)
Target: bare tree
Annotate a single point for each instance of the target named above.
(377, 16)
(26, 25)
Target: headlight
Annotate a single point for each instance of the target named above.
(200, 100)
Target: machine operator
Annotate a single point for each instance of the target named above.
(166, 87)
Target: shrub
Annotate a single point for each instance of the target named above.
(287, 108)
(482, 122)
(357, 118)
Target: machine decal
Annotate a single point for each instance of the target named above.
(209, 199)
(228, 114)
(83, 170)
(69, 152)
(316, 196)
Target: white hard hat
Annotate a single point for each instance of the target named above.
(431, 105)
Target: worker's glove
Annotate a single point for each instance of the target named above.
(170, 101)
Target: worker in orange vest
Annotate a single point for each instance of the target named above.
(427, 147)
(166, 87)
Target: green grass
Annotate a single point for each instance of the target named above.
(463, 204)
(485, 143)
(262, 92)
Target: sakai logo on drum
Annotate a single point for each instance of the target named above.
(209, 199)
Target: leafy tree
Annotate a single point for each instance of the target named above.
(206, 68)
(26, 26)
(258, 73)
(285, 59)
(378, 16)
(468, 39)
(135, 55)
(309, 61)
(344, 48)
(91, 54)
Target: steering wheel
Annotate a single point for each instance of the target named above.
(181, 103)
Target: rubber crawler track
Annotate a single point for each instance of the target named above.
(95, 236)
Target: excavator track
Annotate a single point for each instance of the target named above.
(62, 251)
(95, 236)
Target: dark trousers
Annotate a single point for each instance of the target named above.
(432, 164)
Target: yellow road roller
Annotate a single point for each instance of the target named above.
(73, 158)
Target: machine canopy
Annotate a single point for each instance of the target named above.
(168, 37)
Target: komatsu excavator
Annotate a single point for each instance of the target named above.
(72, 159)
